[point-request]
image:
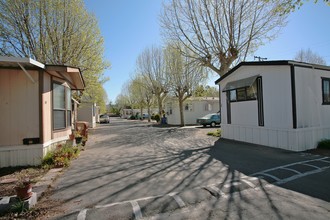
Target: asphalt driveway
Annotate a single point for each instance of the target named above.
(134, 161)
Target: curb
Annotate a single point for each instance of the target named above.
(8, 202)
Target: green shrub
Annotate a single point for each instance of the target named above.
(152, 117)
(157, 117)
(216, 133)
(324, 144)
(61, 156)
(132, 117)
(48, 159)
(18, 207)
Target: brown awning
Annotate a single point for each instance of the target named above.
(75, 78)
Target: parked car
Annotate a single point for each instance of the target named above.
(145, 116)
(104, 119)
(210, 119)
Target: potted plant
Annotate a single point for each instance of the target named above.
(78, 137)
(23, 186)
(71, 136)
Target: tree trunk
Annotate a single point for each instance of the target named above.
(160, 106)
(149, 113)
(141, 113)
(181, 111)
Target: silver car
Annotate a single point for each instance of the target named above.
(104, 119)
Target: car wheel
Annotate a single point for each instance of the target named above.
(212, 124)
(204, 126)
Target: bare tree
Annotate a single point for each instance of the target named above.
(309, 56)
(122, 102)
(142, 94)
(218, 33)
(127, 95)
(184, 75)
(150, 65)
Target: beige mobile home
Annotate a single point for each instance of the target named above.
(282, 104)
(36, 108)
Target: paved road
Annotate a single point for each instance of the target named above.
(133, 170)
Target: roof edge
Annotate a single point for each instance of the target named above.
(272, 63)
(22, 60)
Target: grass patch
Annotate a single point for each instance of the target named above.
(324, 144)
(216, 133)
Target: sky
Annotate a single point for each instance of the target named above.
(130, 26)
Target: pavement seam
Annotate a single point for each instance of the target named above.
(82, 214)
(310, 165)
(212, 189)
(271, 176)
(282, 181)
(136, 210)
(288, 165)
(293, 170)
(249, 183)
(215, 191)
(178, 199)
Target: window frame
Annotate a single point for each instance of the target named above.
(324, 79)
(67, 106)
(245, 91)
(208, 107)
(188, 107)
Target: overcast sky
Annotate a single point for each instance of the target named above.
(129, 26)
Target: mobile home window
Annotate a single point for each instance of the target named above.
(326, 91)
(61, 106)
(208, 107)
(244, 93)
(241, 94)
(169, 108)
(232, 95)
(188, 107)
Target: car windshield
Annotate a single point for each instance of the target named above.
(103, 116)
(208, 116)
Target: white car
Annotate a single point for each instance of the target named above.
(104, 119)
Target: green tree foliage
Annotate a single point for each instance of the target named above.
(122, 101)
(206, 91)
(56, 32)
(141, 93)
(288, 6)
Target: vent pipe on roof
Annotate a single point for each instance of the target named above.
(26, 73)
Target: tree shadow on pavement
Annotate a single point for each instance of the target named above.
(131, 168)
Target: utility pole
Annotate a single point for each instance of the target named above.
(260, 58)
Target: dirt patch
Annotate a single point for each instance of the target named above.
(46, 208)
(323, 152)
(8, 178)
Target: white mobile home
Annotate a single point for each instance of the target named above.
(89, 112)
(193, 108)
(128, 112)
(282, 104)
